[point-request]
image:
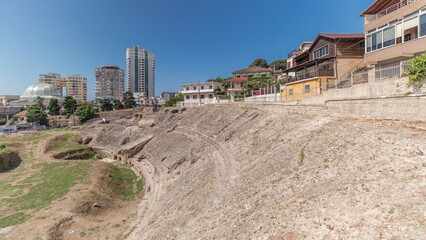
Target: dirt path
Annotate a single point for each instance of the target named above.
(223, 159)
(154, 182)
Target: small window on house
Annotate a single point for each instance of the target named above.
(324, 51)
(202, 96)
(195, 88)
(187, 97)
(194, 97)
(202, 87)
(307, 89)
(210, 96)
(361, 45)
(187, 89)
(211, 87)
(290, 92)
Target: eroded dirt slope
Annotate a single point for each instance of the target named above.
(226, 172)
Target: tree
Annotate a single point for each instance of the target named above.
(3, 121)
(173, 101)
(416, 69)
(70, 104)
(37, 116)
(39, 103)
(219, 92)
(84, 113)
(259, 62)
(280, 64)
(53, 107)
(117, 104)
(128, 100)
(106, 105)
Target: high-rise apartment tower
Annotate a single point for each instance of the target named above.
(140, 71)
(109, 82)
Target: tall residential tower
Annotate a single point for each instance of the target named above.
(109, 82)
(140, 71)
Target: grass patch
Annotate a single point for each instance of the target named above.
(302, 157)
(66, 142)
(4, 149)
(51, 183)
(14, 219)
(82, 234)
(125, 183)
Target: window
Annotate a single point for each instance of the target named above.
(307, 89)
(187, 96)
(194, 88)
(194, 96)
(202, 87)
(361, 45)
(377, 41)
(290, 92)
(422, 25)
(187, 89)
(389, 36)
(202, 96)
(211, 87)
(210, 96)
(324, 51)
(369, 43)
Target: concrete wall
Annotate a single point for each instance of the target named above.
(379, 88)
(394, 108)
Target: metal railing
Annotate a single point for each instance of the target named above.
(360, 76)
(371, 17)
(306, 75)
(395, 69)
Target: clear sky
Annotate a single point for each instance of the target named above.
(194, 40)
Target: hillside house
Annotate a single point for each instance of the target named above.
(329, 57)
(196, 94)
(236, 86)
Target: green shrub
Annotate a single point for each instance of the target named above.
(416, 69)
(224, 96)
(239, 96)
(3, 121)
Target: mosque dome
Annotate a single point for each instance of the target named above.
(42, 90)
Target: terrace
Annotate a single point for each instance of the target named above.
(370, 16)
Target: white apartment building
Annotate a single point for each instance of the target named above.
(109, 83)
(140, 66)
(196, 94)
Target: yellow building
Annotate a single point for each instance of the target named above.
(305, 88)
(331, 56)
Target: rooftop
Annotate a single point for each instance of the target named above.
(243, 79)
(252, 70)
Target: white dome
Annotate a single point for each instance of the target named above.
(42, 90)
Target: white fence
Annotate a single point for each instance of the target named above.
(396, 69)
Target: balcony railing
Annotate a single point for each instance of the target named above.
(371, 17)
(313, 74)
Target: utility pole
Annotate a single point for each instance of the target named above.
(275, 84)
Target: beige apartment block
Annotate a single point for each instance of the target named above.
(75, 85)
(395, 31)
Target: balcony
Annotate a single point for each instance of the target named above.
(372, 17)
(311, 74)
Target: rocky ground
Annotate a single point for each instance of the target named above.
(257, 172)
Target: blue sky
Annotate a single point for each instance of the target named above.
(194, 40)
